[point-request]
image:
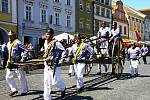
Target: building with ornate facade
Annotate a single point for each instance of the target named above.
(36, 16)
(102, 13)
(119, 16)
(8, 18)
(146, 24)
(136, 22)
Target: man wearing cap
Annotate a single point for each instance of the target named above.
(104, 34)
(52, 70)
(82, 52)
(134, 55)
(14, 56)
(115, 32)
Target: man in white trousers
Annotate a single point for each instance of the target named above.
(52, 70)
(80, 50)
(104, 34)
(14, 56)
(134, 54)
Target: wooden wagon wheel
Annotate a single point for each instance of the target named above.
(118, 58)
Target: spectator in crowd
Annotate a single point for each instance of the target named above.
(4, 54)
(31, 50)
(144, 50)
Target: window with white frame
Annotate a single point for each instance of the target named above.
(107, 2)
(56, 0)
(57, 18)
(68, 2)
(5, 6)
(97, 10)
(50, 19)
(88, 8)
(108, 13)
(125, 30)
(28, 13)
(81, 24)
(102, 1)
(88, 26)
(68, 21)
(43, 15)
(103, 12)
(81, 4)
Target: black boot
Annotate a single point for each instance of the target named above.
(13, 93)
(63, 93)
(80, 90)
(69, 74)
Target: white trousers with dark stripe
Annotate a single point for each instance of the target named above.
(50, 80)
(79, 70)
(12, 83)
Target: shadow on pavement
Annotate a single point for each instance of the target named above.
(126, 76)
(91, 85)
(34, 92)
(76, 97)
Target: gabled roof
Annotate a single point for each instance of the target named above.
(132, 10)
(146, 9)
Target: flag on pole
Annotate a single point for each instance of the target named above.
(138, 36)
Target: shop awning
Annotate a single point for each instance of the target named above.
(126, 42)
(63, 36)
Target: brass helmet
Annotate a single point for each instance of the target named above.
(10, 33)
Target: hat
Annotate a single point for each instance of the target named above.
(11, 33)
(50, 30)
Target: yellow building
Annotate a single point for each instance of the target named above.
(8, 18)
(136, 22)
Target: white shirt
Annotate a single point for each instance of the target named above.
(103, 31)
(134, 53)
(115, 32)
(81, 55)
(144, 50)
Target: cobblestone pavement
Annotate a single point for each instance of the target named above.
(97, 87)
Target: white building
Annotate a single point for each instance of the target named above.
(147, 29)
(36, 16)
(102, 12)
(146, 24)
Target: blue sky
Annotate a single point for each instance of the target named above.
(137, 4)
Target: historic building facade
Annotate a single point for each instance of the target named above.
(146, 24)
(120, 17)
(36, 16)
(136, 22)
(84, 16)
(102, 12)
(8, 18)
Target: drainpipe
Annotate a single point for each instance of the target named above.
(93, 15)
(17, 18)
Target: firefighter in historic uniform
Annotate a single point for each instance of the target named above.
(134, 54)
(14, 56)
(52, 70)
(104, 34)
(82, 52)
